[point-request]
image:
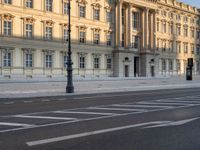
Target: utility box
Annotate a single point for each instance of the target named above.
(189, 73)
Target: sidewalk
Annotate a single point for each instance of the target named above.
(39, 89)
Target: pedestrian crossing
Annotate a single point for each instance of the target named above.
(24, 121)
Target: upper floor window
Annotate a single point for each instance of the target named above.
(96, 38)
(82, 37)
(49, 33)
(185, 19)
(192, 33)
(108, 39)
(164, 27)
(49, 5)
(185, 48)
(185, 32)
(96, 14)
(135, 19)
(82, 11)
(7, 28)
(65, 8)
(108, 16)
(123, 17)
(29, 30)
(158, 26)
(65, 35)
(178, 30)
(135, 43)
(178, 17)
(8, 1)
(171, 28)
(29, 3)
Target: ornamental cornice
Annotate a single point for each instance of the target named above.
(65, 25)
(7, 16)
(82, 27)
(82, 2)
(108, 8)
(47, 51)
(29, 19)
(96, 29)
(108, 31)
(28, 50)
(48, 22)
(96, 5)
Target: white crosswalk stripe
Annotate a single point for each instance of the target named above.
(120, 109)
(86, 113)
(162, 103)
(15, 124)
(143, 106)
(44, 117)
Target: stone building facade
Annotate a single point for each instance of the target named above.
(120, 38)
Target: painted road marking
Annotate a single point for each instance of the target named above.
(89, 119)
(157, 103)
(176, 123)
(8, 103)
(144, 106)
(120, 109)
(15, 124)
(83, 112)
(182, 101)
(44, 117)
(95, 132)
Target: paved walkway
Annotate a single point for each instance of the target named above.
(38, 89)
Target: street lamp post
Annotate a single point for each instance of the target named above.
(69, 87)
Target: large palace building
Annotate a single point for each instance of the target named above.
(110, 38)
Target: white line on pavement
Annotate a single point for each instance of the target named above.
(15, 124)
(83, 112)
(144, 106)
(90, 119)
(8, 103)
(180, 101)
(120, 109)
(28, 101)
(44, 117)
(62, 138)
(157, 103)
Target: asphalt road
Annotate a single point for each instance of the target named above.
(150, 120)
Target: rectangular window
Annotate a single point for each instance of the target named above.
(96, 14)
(178, 30)
(48, 33)
(185, 32)
(123, 16)
(96, 38)
(178, 65)
(65, 61)
(8, 1)
(82, 37)
(163, 65)
(158, 26)
(135, 20)
(82, 62)
(29, 3)
(135, 42)
(198, 50)
(192, 48)
(170, 65)
(29, 30)
(7, 59)
(65, 35)
(82, 11)
(108, 39)
(29, 60)
(49, 61)
(96, 62)
(192, 33)
(109, 63)
(65, 8)
(49, 5)
(108, 16)
(185, 48)
(7, 28)
(171, 28)
(122, 39)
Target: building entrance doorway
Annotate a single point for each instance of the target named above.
(126, 71)
(136, 66)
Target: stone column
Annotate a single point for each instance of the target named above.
(147, 28)
(129, 33)
(143, 30)
(119, 23)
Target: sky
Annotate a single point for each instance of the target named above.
(195, 3)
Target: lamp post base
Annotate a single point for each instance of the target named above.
(69, 89)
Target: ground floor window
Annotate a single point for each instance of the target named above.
(109, 63)
(96, 62)
(7, 59)
(82, 62)
(48, 61)
(29, 60)
(163, 65)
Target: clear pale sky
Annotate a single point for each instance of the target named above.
(195, 3)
